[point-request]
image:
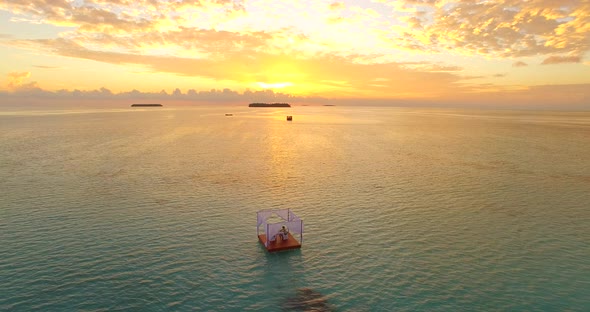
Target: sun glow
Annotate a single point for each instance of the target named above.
(275, 85)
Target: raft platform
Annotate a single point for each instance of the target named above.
(272, 224)
(280, 244)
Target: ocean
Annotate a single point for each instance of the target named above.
(154, 209)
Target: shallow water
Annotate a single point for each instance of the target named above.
(405, 209)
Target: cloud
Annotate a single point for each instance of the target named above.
(519, 64)
(16, 79)
(118, 16)
(309, 43)
(45, 67)
(567, 97)
(503, 28)
(561, 59)
(336, 5)
(191, 96)
(279, 68)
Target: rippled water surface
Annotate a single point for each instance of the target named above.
(405, 210)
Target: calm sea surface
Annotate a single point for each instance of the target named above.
(405, 209)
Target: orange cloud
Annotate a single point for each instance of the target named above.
(336, 5)
(16, 79)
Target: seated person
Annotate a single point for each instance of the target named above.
(284, 232)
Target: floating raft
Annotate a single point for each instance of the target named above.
(280, 244)
(271, 226)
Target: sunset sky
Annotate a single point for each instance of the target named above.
(507, 51)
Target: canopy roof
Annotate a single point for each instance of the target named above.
(285, 217)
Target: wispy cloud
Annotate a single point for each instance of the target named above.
(46, 67)
(561, 59)
(519, 64)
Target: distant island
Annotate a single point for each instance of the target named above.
(269, 105)
(146, 105)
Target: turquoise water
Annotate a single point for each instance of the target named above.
(405, 209)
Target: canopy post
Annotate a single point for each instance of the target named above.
(257, 224)
(301, 232)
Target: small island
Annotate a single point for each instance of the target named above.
(146, 105)
(269, 105)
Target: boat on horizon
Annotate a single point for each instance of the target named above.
(146, 105)
(269, 105)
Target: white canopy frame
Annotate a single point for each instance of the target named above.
(288, 219)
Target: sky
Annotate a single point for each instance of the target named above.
(509, 53)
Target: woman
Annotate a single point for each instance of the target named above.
(284, 232)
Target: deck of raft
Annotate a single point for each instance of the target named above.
(280, 244)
